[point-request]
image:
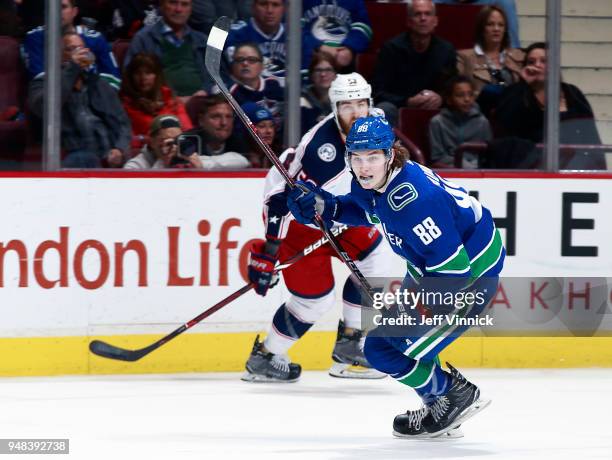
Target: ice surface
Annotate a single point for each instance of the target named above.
(561, 414)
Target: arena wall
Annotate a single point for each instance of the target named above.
(128, 257)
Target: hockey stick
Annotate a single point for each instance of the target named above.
(212, 60)
(106, 350)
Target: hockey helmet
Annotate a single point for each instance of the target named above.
(348, 87)
(370, 133)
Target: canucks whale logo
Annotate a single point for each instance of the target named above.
(328, 29)
(401, 195)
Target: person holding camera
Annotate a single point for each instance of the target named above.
(96, 131)
(168, 147)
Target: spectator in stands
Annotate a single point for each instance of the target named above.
(95, 128)
(458, 122)
(33, 47)
(180, 49)
(206, 12)
(520, 111)
(314, 102)
(163, 148)
(341, 29)
(492, 64)
(267, 30)
(250, 86)
(129, 16)
(221, 147)
(263, 120)
(145, 96)
(411, 68)
(509, 7)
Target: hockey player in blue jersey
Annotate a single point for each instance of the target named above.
(449, 242)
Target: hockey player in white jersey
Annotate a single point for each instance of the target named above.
(318, 159)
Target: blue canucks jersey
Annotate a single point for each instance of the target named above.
(33, 49)
(334, 23)
(435, 225)
(271, 95)
(272, 47)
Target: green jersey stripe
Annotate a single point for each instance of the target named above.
(419, 375)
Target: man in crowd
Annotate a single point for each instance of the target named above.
(95, 129)
(33, 47)
(267, 30)
(180, 49)
(411, 68)
(221, 148)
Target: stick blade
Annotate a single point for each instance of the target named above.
(106, 350)
(215, 44)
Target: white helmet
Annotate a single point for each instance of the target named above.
(347, 87)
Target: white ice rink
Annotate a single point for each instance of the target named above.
(560, 414)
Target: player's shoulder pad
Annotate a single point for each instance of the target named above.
(402, 195)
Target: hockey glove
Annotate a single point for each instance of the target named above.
(304, 205)
(261, 268)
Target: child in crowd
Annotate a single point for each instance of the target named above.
(459, 121)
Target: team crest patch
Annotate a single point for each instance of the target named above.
(401, 195)
(327, 152)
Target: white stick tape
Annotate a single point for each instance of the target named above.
(216, 38)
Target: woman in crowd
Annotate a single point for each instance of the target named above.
(145, 96)
(315, 96)
(264, 123)
(492, 63)
(520, 112)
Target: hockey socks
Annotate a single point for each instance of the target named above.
(425, 376)
(351, 305)
(286, 330)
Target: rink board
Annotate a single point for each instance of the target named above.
(129, 257)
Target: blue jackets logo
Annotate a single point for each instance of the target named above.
(401, 195)
(327, 152)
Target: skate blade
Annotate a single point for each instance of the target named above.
(348, 371)
(256, 378)
(454, 433)
(469, 412)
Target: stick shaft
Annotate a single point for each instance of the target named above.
(214, 50)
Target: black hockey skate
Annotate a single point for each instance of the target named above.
(349, 360)
(267, 367)
(461, 402)
(410, 426)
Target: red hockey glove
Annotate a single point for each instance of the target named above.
(261, 268)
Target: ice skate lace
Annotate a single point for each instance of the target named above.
(439, 407)
(415, 417)
(280, 363)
